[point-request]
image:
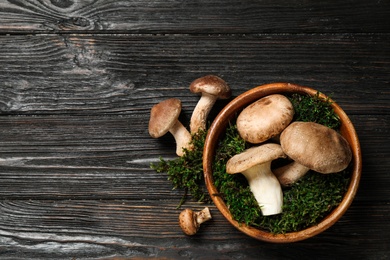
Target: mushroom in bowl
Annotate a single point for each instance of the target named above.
(229, 115)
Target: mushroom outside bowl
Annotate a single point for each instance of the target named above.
(220, 124)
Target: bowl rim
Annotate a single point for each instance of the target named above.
(219, 124)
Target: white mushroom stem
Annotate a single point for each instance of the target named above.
(265, 188)
(290, 173)
(201, 111)
(203, 215)
(182, 138)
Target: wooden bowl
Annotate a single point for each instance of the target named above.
(218, 127)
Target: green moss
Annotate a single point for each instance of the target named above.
(186, 172)
(314, 109)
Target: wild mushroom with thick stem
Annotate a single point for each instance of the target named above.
(265, 118)
(190, 221)
(312, 146)
(255, 164)
(164, 118)
(212, 88)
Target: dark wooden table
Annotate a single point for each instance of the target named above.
(78, 79)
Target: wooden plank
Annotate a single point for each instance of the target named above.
(77, 80)
(203, 16)
(108, 157)
(107, 229)
(127, 74)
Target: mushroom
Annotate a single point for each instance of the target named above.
(212, 88)
(265, 118)
(255, 164)
(312, 146)
(164, 118)
(190, 221)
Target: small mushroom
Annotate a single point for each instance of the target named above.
(312, 146)
(190, 221)
(265, 118)
(255, 164)
(212, 88)
(164, 118)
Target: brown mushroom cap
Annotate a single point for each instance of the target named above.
(187, 222)
(254, 156)
(212, 85)
(163, 116)
(316, 146)
(265, 118)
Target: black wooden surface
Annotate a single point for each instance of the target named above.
(77, 81)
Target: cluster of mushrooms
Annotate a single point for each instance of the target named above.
(267, 124)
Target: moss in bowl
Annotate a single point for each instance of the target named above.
(294, 224)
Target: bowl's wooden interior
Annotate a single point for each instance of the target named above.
(220, 124)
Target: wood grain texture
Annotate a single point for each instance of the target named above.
(128, 74)
(177, 16)
(78, 79)
(101, 229)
